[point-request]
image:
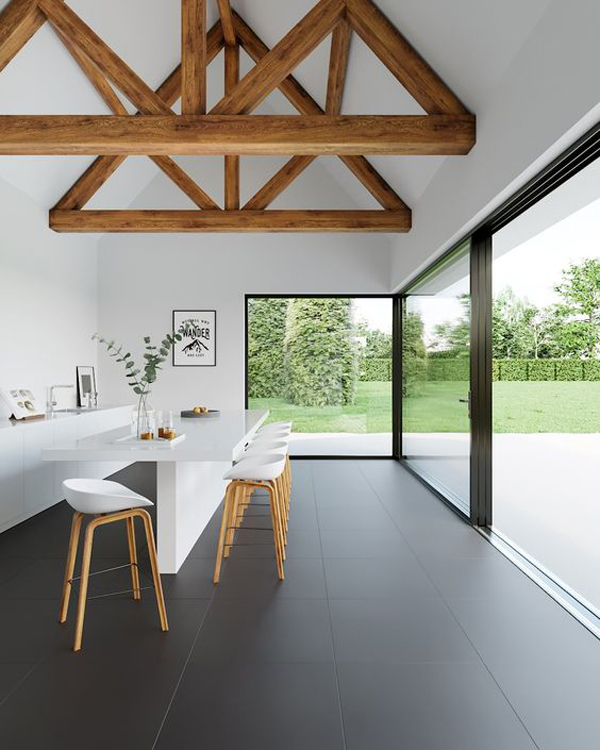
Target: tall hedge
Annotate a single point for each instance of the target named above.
(321, 354)
(376, 369)
(266, 347)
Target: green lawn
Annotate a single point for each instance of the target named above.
(371, 412)
(518, 407)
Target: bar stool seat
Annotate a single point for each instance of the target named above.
(107, 502)
(274, 427)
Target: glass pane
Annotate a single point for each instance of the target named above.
(326, 365)
(546, 333)
(436, 437)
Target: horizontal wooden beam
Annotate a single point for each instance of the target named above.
(248, 134)
(175, 222)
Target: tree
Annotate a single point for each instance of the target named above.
(379, 345)
(579, 311)
(266, 348)
(321, 352)
(518, 327)
(414, 367)
(452, 339)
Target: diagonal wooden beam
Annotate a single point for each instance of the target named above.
(306, 105)
(338, 66)
(193, 57)
(229, 221)
(278, 183)
(402, 60)
(259, 135)
(181, 178)
(227, 22)
(94, 76)
(232, 163)
(88, 42)
(104, 166)
(19, 21)
(274, 67)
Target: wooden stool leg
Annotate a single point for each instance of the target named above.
(85, 576)
(232, 522)
(279, 552)
(158, 589)
(135, 573)
(70, 566)
(222, 533)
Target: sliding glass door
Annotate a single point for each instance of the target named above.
(546, 391)
(436, 324)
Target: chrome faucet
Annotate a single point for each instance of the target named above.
(52, 401)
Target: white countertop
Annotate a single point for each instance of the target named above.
(12, 424)
(207, 439)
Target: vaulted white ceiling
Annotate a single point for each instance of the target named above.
(470, 43)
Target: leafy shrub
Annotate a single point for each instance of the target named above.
(376, 370)
(513, 369)
(569, 369)
(456, 369)
(541, 369)
(321, 355)
(591, 369)
(266, 353)
(495, 370)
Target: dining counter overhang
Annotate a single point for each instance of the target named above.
(189, 474)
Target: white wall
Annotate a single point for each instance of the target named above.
(48, 298)
(547, 97)
(142, 278)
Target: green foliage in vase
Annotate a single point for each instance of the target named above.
(141, 378)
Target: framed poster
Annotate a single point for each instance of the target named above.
(198, 348)
(86, 385)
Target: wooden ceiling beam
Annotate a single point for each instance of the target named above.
(111, 65)
(228, 221)
(259, 135)
(306, 105)
(338, 67)
(193, 57)
(227, 22)
(185, 183)
(19, 21)
(279, 182)
(104, 166)
(402, 60)
(232, 163)
(277, 64)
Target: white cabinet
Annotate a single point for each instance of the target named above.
(29, 485)
(11, 478)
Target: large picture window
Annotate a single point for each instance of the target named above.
(325, 364)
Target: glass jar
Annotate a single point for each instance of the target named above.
(145, 421)
(166, 428)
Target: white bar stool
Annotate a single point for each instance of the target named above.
(108, 502)
(268, 447)
(275, 427)
(251, 473)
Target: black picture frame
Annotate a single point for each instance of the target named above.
(192, 314)
(83, 371)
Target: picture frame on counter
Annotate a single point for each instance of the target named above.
(87, 389)
(198, 348)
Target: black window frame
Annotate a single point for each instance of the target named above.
(395, 367)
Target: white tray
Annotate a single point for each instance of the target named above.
(132, 441)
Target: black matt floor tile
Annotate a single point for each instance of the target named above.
(376, 579)
(43, 579)
(427, 707)
(280, 630)
(13, 566)
(114, 693)
(364, 543)
(301, 543)
(257, 579)
(28, 629)
(255, 707)
(393, 632)
(11, 676)
(354, 517)
(193, 581)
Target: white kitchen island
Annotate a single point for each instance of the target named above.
(189, 474)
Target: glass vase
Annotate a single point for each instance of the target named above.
(145, 419)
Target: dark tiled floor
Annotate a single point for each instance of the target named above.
(397, 627)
